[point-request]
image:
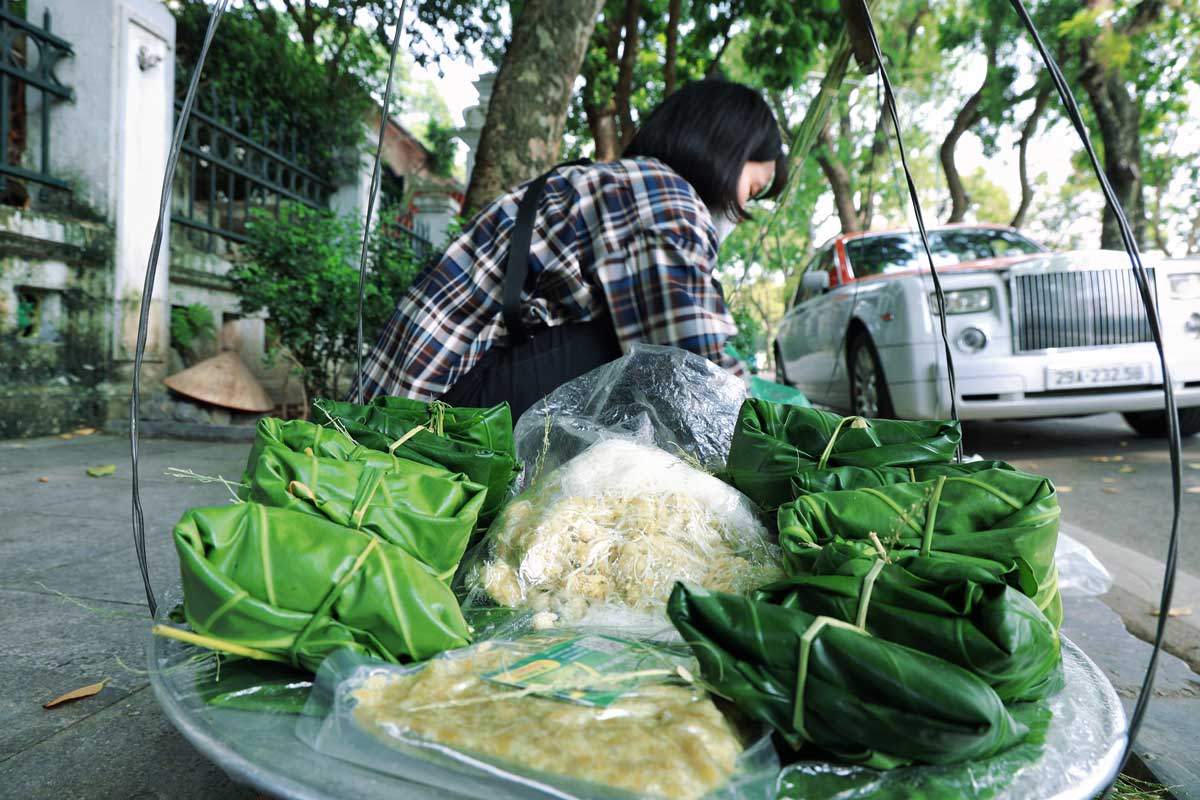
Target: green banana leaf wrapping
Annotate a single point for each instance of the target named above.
(295, 587)
(952, 606)
(302, 436)
(864, 699)
(839, 479)
(1004, 515)
(475, 441)
(424, 510)
(772, 443)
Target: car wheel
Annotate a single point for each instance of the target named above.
(780, 372)
(869, 396)
(1154, 423)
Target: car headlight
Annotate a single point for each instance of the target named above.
(963, 301)
(1186, 286)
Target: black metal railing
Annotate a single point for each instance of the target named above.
(28, 58)
(415, 238)
(233, 162)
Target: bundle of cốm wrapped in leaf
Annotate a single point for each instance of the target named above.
(774, 443)
(477, 442)
(1003, 515)
(427, 511)
(953, 606)
(819, 680)
(275, 584)
(338, 544)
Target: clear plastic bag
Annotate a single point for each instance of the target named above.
(1080, 573)
(478, 721)
(602, 539)
(656, 395)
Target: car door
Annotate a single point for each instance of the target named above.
(826, 361)
(800, 334)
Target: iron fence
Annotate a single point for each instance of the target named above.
(234, 161)
(415, 238)
(28, 57)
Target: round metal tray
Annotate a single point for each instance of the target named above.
(1080, 756)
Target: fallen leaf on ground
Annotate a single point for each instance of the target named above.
(78, 694)
(1111, 490)
(1107, 459)
(1108, 480)
(1126, 469)
(100, 472)
(1192, 490)
(1193, 466)
(66, 436)
(1066, 489)
(84, 431)
(43, 479)
(1176, 611)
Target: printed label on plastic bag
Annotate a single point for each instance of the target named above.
(590, 670)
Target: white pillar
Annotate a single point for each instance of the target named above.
(350, 198)
(114, 139)
(474, 119)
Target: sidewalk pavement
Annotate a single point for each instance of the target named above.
(72, 612)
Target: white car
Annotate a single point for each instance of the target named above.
(1033, 333)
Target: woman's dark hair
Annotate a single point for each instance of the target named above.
(707, 131)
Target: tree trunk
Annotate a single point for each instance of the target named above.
(1027, 132)
(967, 116)
(1118, 118)
(624, 90)
(526, 114)
(839, 181)
(598, 106)
(674, 10)
(602, 122)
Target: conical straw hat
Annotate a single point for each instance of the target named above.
(223, 380)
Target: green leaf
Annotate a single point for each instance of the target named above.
(858, 697)
(100, 472)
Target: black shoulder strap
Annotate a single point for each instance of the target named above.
(517, 267)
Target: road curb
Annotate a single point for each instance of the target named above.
(1137, 588)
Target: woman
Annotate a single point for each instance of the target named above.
(606, 255)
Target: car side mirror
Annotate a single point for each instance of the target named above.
(815, 281)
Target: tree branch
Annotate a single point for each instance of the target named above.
(1027, 132)
(624, 90)
(966, 117)
(674, 9)
(839, 180)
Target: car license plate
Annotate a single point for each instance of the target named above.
(1080, 377)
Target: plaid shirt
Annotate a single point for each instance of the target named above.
(629, 238)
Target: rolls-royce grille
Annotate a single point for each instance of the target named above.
(1078, 309)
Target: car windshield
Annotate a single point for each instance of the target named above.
(874, 255)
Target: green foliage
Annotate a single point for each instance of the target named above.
(441, 139)
(263, 70)
(302, 269)
(750, 337)
(191, 326)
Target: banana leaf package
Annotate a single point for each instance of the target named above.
(819, 680)
(475, 441)
(424, 510)
(281, 585)
(952, 606)
(1003, 515)
(773, 443)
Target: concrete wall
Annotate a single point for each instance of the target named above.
(54, 373)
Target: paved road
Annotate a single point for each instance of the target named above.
(1119, 484)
